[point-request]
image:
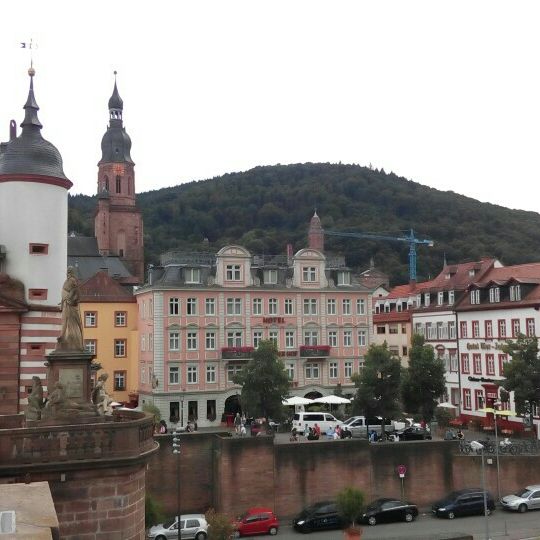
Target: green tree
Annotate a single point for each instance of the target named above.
(423, 381)
(378, 384)
(522, 374)
(264, 382)
(219, 526)
(153, 511)
(350, 502)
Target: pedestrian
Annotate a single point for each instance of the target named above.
(460, 435)
(317, 430)
(162, 427)
(449, 435)
(237, 423)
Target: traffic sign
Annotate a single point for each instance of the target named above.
(401, 470)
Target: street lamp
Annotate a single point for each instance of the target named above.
(475, 445)
(176, 451)
(182, 408)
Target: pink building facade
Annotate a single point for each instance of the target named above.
(201, 316)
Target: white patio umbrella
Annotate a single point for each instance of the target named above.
(446, 405)
(332, 400)
(297, 400)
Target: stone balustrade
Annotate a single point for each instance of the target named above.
(127, 435)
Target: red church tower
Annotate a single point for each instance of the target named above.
(316, 233)
(118, 222)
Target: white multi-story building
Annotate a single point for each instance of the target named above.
(504, 303)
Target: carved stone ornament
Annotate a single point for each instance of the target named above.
(100, 397)
(35, 400)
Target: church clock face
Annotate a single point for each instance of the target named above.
(118, 169)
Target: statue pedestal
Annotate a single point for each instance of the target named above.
(72, 369)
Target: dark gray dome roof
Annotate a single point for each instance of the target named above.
(116, 144)
(30, 153)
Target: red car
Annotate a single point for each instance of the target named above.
(257, 520)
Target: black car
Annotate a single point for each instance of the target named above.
(465, 502)
(320, 516)
(413, 433)
(388, 510)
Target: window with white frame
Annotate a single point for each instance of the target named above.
(333, 370)
(312, 371)
(489, 329)
(232, 371)
(360, 306)
(494, 294)
(174, 340)
(234, 338)
(210, 374)
(210, 306)
(257, 338)
(343, 278)
(143, 342)
(346, 306)
(270, 277)
(174, 306)
(427, 299)
(120, 380)
(289, 309)
(331, 306)
(311, 337)
(192, 374)
(348, 369)
(210, 340)
(191, 306)
(120, 346)
(347, 338)
(475, 296)
(272, 306)
(233, 272)
(151, 341)
(531, 331)
(310, 306)
(193, 275)
(234, 306)
(452, 330)
(192, 341)
(289, 339)
(289, 368)
(440, 298)
(451, 297)
(151, 307)
(273, 335)
(120, 318)
(332, 338)
(90, 319)
(257, 306)
(309, 273)
(362, 338)
(143, 375)
(90, 345)
(174, 375)
(515, 293)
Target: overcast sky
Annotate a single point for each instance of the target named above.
(443, 93)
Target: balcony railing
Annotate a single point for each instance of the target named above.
(314, 350)
(228, 353)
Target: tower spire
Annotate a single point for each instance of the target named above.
(31, 108)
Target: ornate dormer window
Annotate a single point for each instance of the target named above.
(451, 297)
(475, 296)
(193, 275)
(270, 277)
(515, 293)
(233, 272)
(309, 273)
(427, 299)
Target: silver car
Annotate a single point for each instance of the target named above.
(193, 527)
(523, 500)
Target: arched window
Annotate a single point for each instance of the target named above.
(118, 184)
(130, 185)
(106, 183)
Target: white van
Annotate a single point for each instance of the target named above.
(302, 421)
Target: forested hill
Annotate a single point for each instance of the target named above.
(267, 207)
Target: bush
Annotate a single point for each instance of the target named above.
(350, 502)
(443, 416)
(150, 408)
(219, 526)
(153, 511)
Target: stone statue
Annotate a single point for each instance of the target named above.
(35, 400)
(100, 396)
(59, 405)
(71, 338)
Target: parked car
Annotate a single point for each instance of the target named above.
(358, 425)
(193, 527)
(302, 421)
(413, 433)
(320, 516)
(525, 499)
(465, 502)
(258, 520)
(388, 510)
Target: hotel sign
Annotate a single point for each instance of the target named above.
(484, 346)
(273, 320)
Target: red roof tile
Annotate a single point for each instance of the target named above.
(103, 288)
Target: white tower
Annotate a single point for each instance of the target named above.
(33, 209)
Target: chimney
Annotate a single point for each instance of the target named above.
(289, 254)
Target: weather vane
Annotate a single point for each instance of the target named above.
(31, 46)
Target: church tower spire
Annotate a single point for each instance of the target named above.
(118, 222)
(316, 233)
